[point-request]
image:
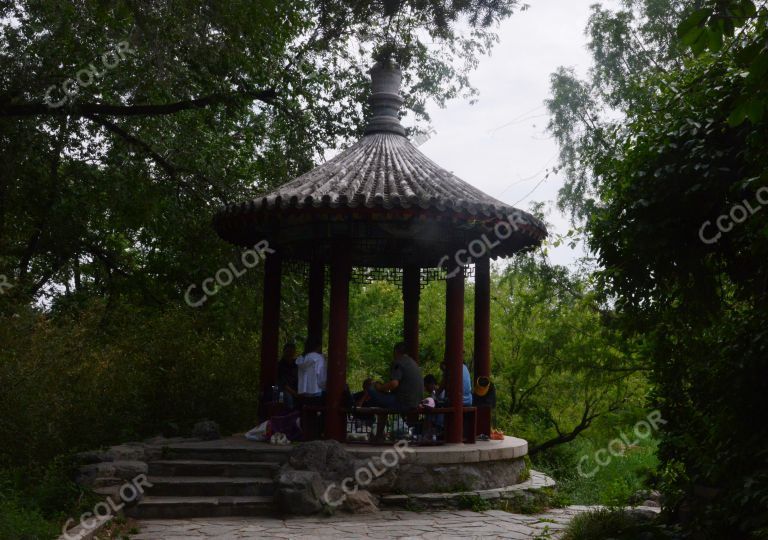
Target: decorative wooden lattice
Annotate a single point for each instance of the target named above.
(364, 275)
(299, 270)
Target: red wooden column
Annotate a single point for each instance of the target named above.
(411, 292)
(316, 295)
(454, 351)
(270, 323)
(483, 334)
(335, 425)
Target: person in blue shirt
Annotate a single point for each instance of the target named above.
(466, 384)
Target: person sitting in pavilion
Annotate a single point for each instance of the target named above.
(287, 375)
(405, 388)
(430, 387)
(466, 385)
(360, 398)
(432, 423)
(312, 372)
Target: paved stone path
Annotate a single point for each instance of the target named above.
(448, 524)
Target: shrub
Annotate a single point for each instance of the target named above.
(75, 382)
(19, 523)
(474, 503)
(614, 524)
(36, 500)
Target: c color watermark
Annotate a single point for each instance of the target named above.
(86, 76)
(738, 214)
(363, 477)
(642, 430)
(128, 492)
(479, 247)
(225, 276)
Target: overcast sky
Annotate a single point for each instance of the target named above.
(499, 144)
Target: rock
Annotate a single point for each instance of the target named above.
(328, 458)
(384, 474)
(311, 480)
(361, 502)
(113, 492)
(89, 474)
(316, 470)
(93, 456)
(122, 493)
(206, 430)
(299, 492)
(127, 452)
(107, 481)
(128, 470)
(642, 514)
(645, 495)
(104, 474)
(651, 503)
(157, 440)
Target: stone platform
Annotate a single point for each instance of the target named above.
(420, 469)
(235, 477)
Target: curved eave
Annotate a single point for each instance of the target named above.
(274, 205)
(245, 226)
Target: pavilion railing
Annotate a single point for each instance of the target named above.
(373, 425)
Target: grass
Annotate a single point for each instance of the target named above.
(610, 485)
(526, 473)
(533, 502)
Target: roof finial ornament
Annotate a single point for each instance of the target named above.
(385, 98)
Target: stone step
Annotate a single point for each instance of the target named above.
(192, 467)
(151, 507)
(209, 486)
(276, 454)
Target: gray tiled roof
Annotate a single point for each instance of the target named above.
(383, 170)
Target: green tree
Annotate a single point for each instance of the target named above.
(684, 145)
(111, 190)
(557, 365)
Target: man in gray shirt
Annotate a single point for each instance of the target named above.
(405, 390)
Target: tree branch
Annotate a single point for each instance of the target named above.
(86, 109)
(170, 169)
(120, 132)
(586, 420)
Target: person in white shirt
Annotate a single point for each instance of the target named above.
(312, 370)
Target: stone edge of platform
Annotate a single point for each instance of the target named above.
(536, 481)
(509, 448)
